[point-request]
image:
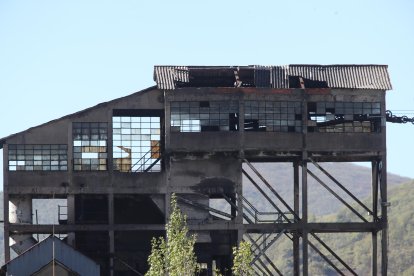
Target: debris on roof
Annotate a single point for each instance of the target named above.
(282, 77)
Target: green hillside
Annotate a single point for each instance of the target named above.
(354, 177)
(355, 248)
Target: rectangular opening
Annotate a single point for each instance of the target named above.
(49, 210)
(137, 209)
(272, 116)
(136, 143)
(38, 157)
(193, 116)
(90, 151)
(344, 117)
(220, 204)
(91, 209)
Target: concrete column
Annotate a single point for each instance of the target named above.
(304, 218)
(239, 193)
(111, 232)
(6, 202)
(20, 211)
(374, 238)
(71, 217)
(296, 236)
(384, 218)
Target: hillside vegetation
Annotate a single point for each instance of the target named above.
(355, 178)
(355, 248)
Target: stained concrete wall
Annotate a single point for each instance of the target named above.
(196, 166)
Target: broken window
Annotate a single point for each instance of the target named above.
(204, 116)
(137, 143)
(90, 146)
(272, 116)
(344, 117)
(38, 157)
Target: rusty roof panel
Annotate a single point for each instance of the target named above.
(335, 76)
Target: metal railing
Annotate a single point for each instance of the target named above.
(256, 216)
(145, 159)
(62, 213)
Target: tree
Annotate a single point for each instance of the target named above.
(242, 258)
(174, 256)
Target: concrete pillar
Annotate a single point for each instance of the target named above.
(304, 219)
(296, 236)
(111, 232)
(6, 202)
(374, 238)
(20, 211)
(384, 218)
(71, 217)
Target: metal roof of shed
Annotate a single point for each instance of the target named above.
(364, 76)
(47, 250)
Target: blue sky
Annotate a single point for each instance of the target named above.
(58, 57)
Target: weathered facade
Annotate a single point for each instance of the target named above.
(196, 133)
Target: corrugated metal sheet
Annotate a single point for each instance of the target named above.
(345, 76)
(41, 254)
(336, 76)
(262, 76)
(279, 77)
(166, 76)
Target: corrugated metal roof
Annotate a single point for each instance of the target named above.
(335, 76)
(345, 76)
(44, 252)
(279, 77)
(167, 76)
(262, 76)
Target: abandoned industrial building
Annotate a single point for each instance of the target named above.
(198, 133)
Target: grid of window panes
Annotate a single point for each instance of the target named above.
(344, 117)
(196, 116)
(136, 144)
(90, 146)
(38, 157)
(277, 116)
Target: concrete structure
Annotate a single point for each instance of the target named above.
(197, 133)
(48, 255)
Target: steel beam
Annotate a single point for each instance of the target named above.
(271, 188)
(262, 253)
(265, 195)
(384, 216)
(374, 236)
(337, 196)
(334, 180)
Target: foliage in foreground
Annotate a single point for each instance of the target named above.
(242, 258)
(174, 256)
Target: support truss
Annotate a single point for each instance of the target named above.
(305, 230)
